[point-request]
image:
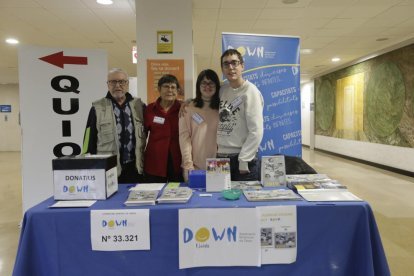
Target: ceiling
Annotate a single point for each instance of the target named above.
(349, 29)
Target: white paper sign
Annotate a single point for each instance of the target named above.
(278, 234)
(73, 204)
(219, 237)
(79, 184)
(115, 230)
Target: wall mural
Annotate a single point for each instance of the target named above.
(371, 101)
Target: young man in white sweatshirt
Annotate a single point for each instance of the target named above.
(240, 128)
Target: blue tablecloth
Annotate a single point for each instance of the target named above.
(333, 239)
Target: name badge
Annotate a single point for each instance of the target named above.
(236, 102)
(197, 118)
(159, 120)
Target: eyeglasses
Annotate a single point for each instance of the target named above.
(166, 86)
(207, 83)
(233, 63)
(115, 82)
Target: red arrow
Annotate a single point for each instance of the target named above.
(59, 60)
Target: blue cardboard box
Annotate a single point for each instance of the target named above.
(197, 179)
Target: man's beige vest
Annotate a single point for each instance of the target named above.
(107, 134)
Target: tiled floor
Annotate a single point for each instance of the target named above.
(390, 196)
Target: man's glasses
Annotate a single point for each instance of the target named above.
(207, 83)
(115, 82)
(233, 63)
(166, 86)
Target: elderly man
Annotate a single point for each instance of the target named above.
(115, 126)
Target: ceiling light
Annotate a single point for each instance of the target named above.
(306, 51)
(289, 1)
(12, 41)
(382, 39)
(104, 2)
(335, 59)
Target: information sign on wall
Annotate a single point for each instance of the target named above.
(156, 68)
(5, 108)
(165, 42)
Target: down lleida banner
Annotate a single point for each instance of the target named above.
(272, 64)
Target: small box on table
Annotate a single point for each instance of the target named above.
(84, 177)
(197, 179)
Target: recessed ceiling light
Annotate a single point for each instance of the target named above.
(105, 41)
(382, 39)
(289, 1)
(12, 41)
(306, 51)
(104, 2)
(335, 59)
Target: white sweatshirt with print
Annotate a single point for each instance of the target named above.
(240, 128)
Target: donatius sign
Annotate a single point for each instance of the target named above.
(57, 87)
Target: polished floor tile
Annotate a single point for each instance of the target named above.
(10, 209)
(389, 194)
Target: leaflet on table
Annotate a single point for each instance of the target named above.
(175, 195)
(218, 174)
(172, 185)
(331, 185)
(328, 195)
(116, 230)
(278, 234)
(271, 195)
(73, 204)
(143, 194)
(141, 197)
(246, 185)
(273, 170)
(219, 237)
(298, 178)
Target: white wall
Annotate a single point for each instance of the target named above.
(158, 15)
(396, 157)
(10, 131)
(306, 98)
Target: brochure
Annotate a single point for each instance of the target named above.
(328, 195)
(176, 195)
(246, 185)
(298, 178)
(218, 174)
(141, 197)
(273, 170)
(271, 195)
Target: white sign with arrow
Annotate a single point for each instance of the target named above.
(57, 88)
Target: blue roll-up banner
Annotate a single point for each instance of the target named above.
(272, 64)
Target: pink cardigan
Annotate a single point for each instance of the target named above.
(198, 136)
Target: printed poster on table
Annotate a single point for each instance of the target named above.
(278, 234)
(116, 230)
(272, 64)
(219, 237)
